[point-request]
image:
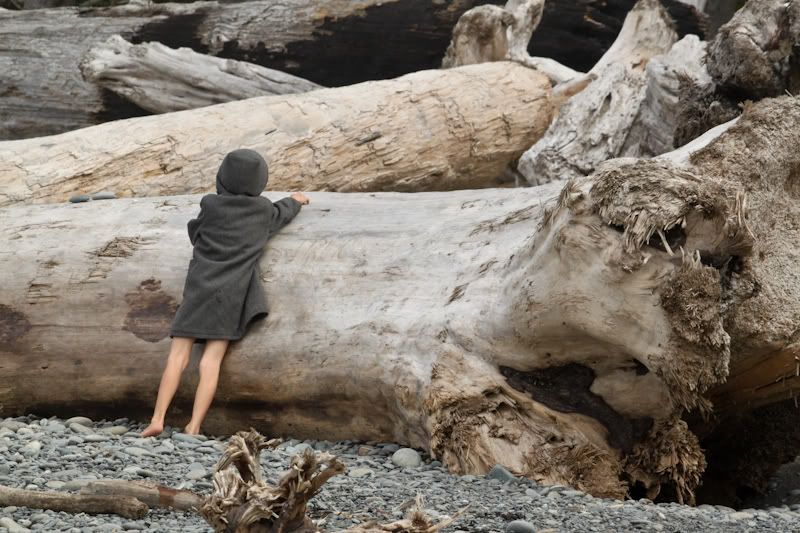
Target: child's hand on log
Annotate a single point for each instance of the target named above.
(300, 197)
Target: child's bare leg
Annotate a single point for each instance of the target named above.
(209, 375)
(179, 353)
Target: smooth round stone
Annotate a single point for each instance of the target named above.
(82, 420)
(115, 430)
(501, 473)
(32, 449)
(361, 471)
(79, 198)
(136, 451)
(406, 458)
(55, 484)
(13, 425)
(94, 437)
(80, 428)
(183, 437)
(104, 195)
(5, 468)
(520, 526)
(55, 427)
(25, 431)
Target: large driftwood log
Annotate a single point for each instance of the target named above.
(593, 126)
(161, 79)
(330, 42)
(432, 130)
(757, 53)
(656, 127)
(560, 334)
(492, 33)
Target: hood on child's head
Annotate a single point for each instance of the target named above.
(242, 171)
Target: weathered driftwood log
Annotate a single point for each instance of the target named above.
(653, 131)
(150, 494)
(431, 130)
(561, 335)
(124, 506)
(330, 42)
(757, 53)
(161, 79)
(592, 127)
(492, 33)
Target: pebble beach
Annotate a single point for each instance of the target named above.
(381, 482)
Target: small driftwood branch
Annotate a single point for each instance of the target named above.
(151, 494)
(125, 506)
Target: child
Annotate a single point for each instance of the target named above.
(223, 291)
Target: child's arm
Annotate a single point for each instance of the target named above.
(194, 225)
(285, 210)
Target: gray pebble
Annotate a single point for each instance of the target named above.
(520, 526)
(136, 451)
(12, 425)
(501, 473)
(406, 458)
(78, 198)
(80, 428)
(104, 195)
(361, 471)
(82, 420)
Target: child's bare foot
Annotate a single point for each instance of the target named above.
(153, 429)
(191, 430)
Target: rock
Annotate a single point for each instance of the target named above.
(740, 516)
(11, 526)
(55, 484)
(95, 437)
(13, 425)
(196, 471)
(390, 448)
(78, 198)
(501, 473)
(82, 420)
(115, 430)
(39, 517)
(520, 526)
(363, 451)
(360, 471)
(104, 195)
(5, 468)
(531, 493)
(406, 458)
(80, 428)
(205, 449)
(183, 437)
(32, 449)
(55, 427)
(137, 452)
(5, 431)
(25, 431)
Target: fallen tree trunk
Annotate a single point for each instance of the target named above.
(150, 494)
(124, 506)
(593, 126)
(432, 130)
(757, 53)
(633, 298)
(330, 42)
(161, 79)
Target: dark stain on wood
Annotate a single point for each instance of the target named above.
(166, 496)
(567, 389)
(458, 292)
(13, 326)
(151, 311)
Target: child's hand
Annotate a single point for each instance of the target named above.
(300, 197)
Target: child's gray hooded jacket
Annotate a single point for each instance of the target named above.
(223, 290)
